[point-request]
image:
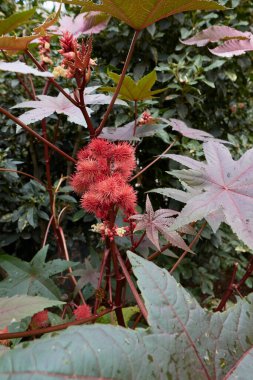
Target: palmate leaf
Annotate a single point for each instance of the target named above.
(31, 278)
(23, 68)
(84, 23)
(47, 105)
(234, 42)
(192, 133)
(224, 186)
(142, 13)
(183, 341)
(9, 24)
(19, 307)
(126, 132)
(134, 91)
(13, 43)
(50, 21)
(154, 222)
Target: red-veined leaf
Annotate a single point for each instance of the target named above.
(223, 186)
(140, 14)
(154, 222)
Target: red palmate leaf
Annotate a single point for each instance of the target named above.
(84, 23)
(154, 222)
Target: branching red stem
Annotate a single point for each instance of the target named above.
(66, 254)
(23, 173)
(35, 134)
(123, 74)
(62, 326)
(59, 87)
(190, 246)
(154, 161)
(132, 286)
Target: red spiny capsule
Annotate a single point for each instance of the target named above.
(39, 320)
(82, 312)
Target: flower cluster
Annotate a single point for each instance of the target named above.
(146, 118)
(105, 230)
(103, 169)
(76, 57)
(44, 51)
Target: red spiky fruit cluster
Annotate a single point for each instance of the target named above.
(39, 320)
(82, 312)
(103, 169)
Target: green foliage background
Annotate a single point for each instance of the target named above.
(209, 92)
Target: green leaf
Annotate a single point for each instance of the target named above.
(32, 277)
(9, 24)
(15, 308)
(134, 91)
(13, 43)
(183, 341)
(140, 14)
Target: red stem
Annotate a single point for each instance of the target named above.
(66, 254)
(154, 255)
(47, 230)
(23, 173)
(102, 269)
(190, 246)
(50, 329)
(119, 285)
(154, 161)
(123, 74)
(29, 93)
(32, 87)
(85, 113)
(35, 134)
(136, 245)
(229, 291)
(47, 163)
(59, 87)
(131, 285)
(235, 286)
(135, 116)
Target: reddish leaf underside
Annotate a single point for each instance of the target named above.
(140, 14)
(234, 42)
(154, 222)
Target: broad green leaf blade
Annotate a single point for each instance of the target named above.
(96, 351)
(9, 24)
(19, 307)
(183, 342)
(176, 318)
(31, 278)
(134, 91)
(16, 43)
(140, 14)
(210, 343)
(3, 349)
